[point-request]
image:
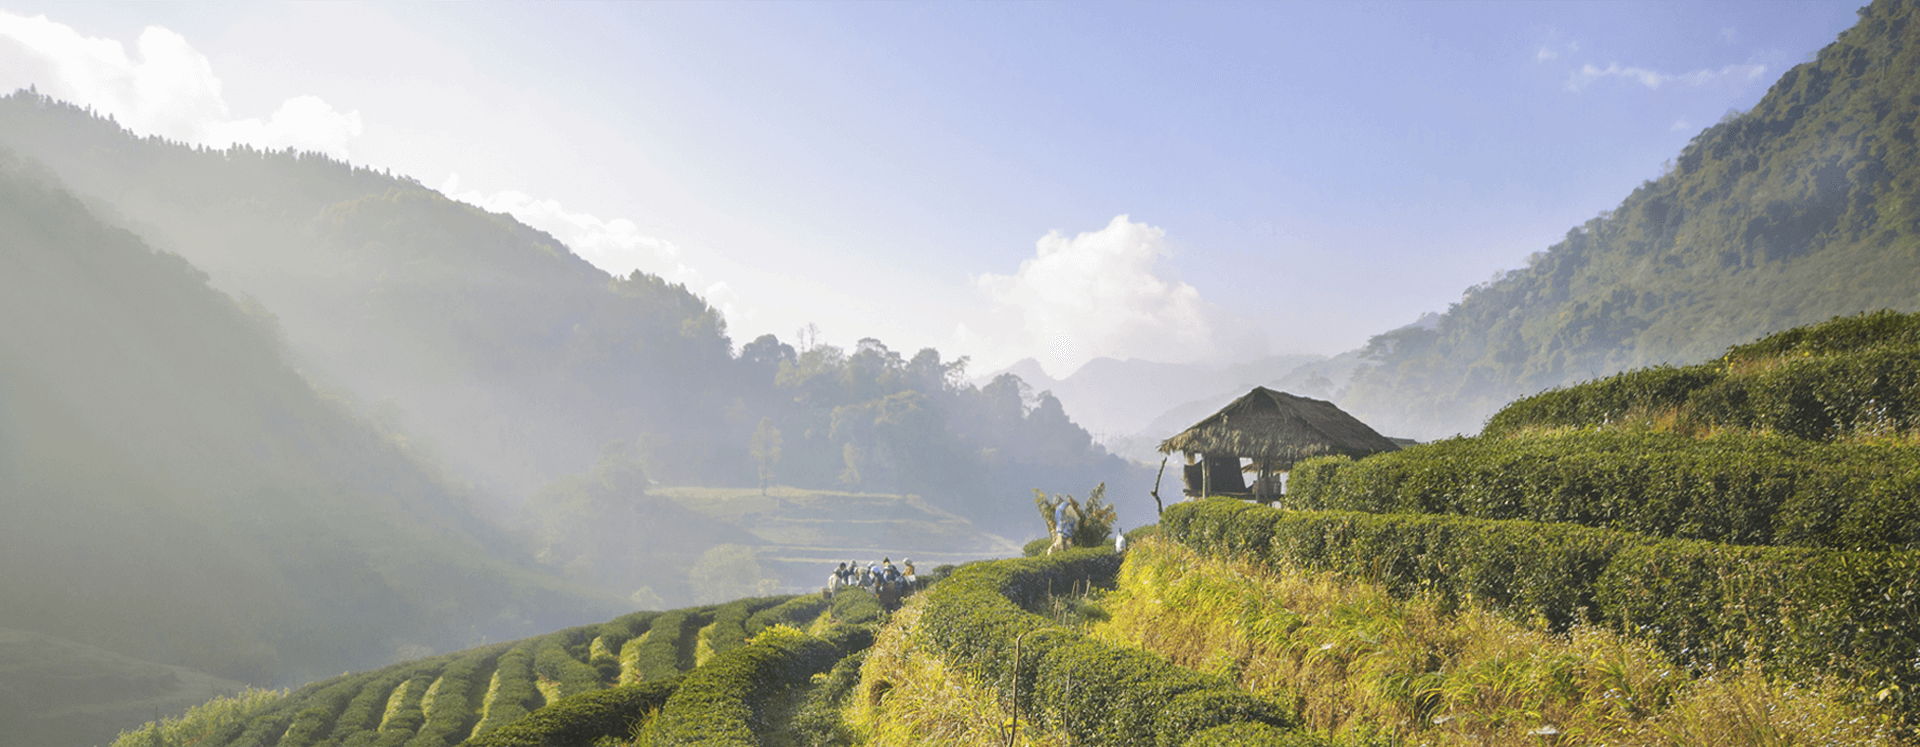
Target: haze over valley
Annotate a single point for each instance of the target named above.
(302, 373)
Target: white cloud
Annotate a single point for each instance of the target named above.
(1553, 46)
(1096, 294)
(616, 246)
(168, 88)
(1588, 74)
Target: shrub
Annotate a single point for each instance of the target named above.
(724, 702)
(856, 607)
(797, 612)
(1806, 610)
(1856, 375)
(582, 719)
(730, 622)
(978, 621)
(1732, 488)
(511, 690)
(668, 649)
(818, 721)
(552, 661)
(450, 717)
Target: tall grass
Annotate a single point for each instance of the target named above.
(1357, 660)
(201, 721)
(907, 698)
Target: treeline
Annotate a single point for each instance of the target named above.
(491, 347)
(1794, 211)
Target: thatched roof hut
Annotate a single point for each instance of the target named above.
(1274, 430)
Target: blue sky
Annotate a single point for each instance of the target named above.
(1294, 176)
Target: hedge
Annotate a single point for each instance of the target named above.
(582, 719)
(818, 721)
(357, 725)
(552, 661)
(511, 689)
(1096, 692)
(856, 607)
(1856, 374)
(730, 622)
(1734, 488)
(404, 715)
(797, 612)
(668, 650)
(1798, 610)
(452, 715)
(726, 700)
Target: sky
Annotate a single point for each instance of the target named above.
(1176, 182)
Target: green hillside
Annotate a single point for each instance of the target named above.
(568, 687)
(56, 691)
(175, 493)
(514, 363)
(1800, 209)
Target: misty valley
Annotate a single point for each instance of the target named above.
(297, 451)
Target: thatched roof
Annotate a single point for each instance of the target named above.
(1279, 428)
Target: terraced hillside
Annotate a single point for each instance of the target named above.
(1751, 515)
(499, 693)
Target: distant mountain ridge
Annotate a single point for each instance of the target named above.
(1803, 208)
(1112, 397)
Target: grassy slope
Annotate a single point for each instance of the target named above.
(56, 691)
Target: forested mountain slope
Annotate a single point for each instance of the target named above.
(514, 362)
(1803, 208)
(171, 490)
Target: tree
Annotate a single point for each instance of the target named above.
(766, 451)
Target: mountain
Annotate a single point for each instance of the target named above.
(1803, 208)
(495, 351)
(174, 492)
(54, 691)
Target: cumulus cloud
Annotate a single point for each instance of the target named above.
(616, 246)
(165, 88)
(1096, 294)
(1588, 74)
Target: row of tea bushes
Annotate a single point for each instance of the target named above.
(795, 612)
(1801, 611)
(668, 648)
(1851, 376)
(978, 621)
(726, 702)
(729, 626)
(510, 692)
(442, 700)
(1734, 488)
(583, 719)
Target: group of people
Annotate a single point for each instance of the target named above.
(883, 579)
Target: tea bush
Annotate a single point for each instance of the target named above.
(979, 621)
(1732, 488)
(725, 701)
(582, 719)
(1799, 610)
